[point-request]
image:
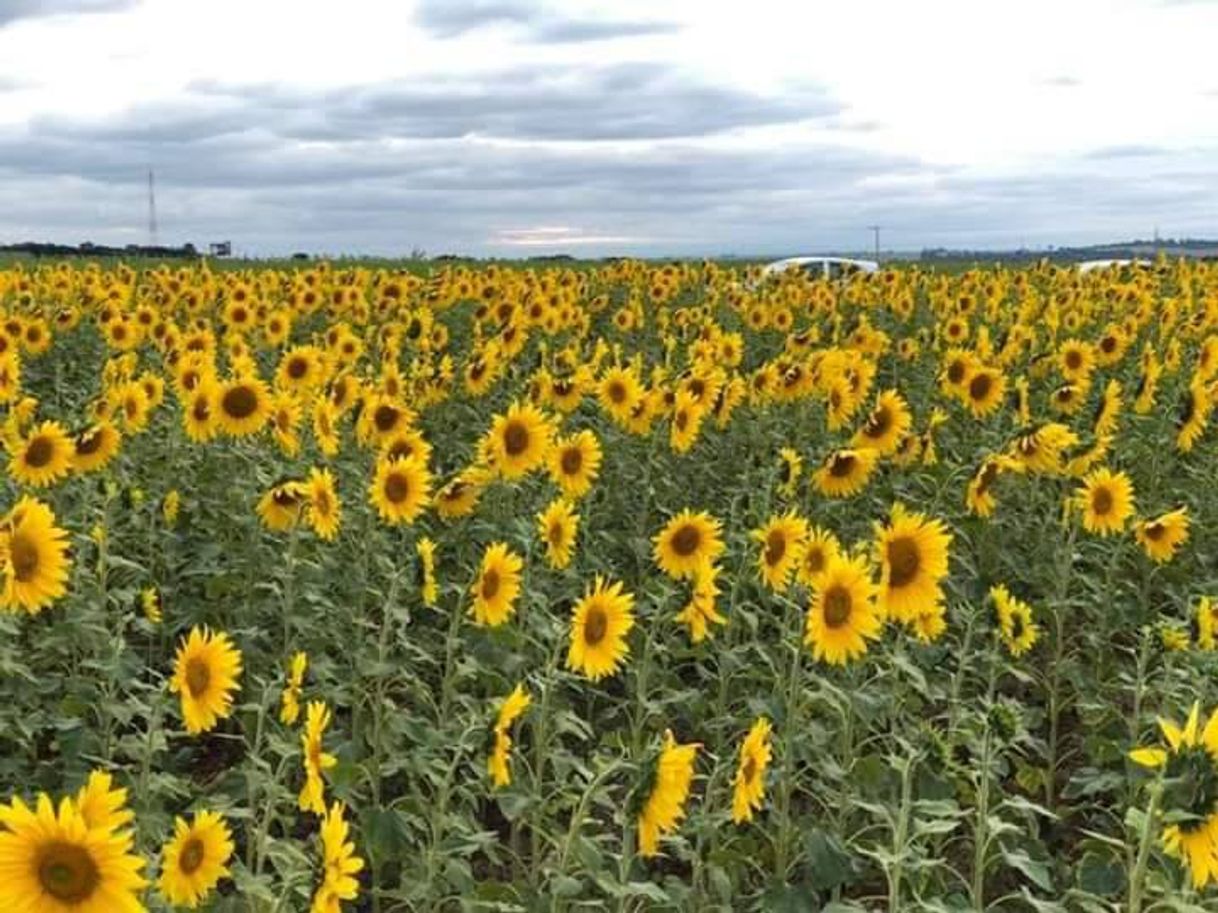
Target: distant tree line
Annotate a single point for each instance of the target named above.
(88, 249)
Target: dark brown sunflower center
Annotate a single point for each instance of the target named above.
(903, 562)
(1101, 501)
(490, 584)
(878, 423)
(617, 392)
(385, 417)
(837, 606)
(88, 443)
(557, 532)
(572, 461)
(1155, 531)
(39, 452)
(67, 872)
(955, 372)
(814, 560)
(686, 540)
(749, 771)
(596, 624)
(397, 488)
(198, 676)
(775, 547)
(240, 402)
(192, 856)
(23, 557)
(841, 465)
(201, 409)
(979, 387)
(297, 368)
(515, 438)
(1074, 360)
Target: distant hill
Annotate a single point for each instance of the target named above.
(1200, 248)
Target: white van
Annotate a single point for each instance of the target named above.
(831, 268)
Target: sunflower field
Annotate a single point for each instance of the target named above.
(617, 586)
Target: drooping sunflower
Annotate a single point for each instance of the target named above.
(558, 525)
(53, 862)
(34, 555)
(43, 457)
(1207, 623)
(600, 623)
(152, 604)
(1193, 417)
(842, 616)
(497, 586)
(748, 792)
(323, 510)
(429, 590)
(780, 540)
(665, 804)
(886, 425)
(401, 489)
(912, 551)
(1162, 536)
(316, 761)
(1106, 501)
(205, 673)
(94, 447)
(340, 865)
(243, 405)
(195, 859)
(282, 506)
(513, 706)
(519, 440)
(574, 463)
(1019, 632)
(289, 709)
(688, 541)
(845, 473)
(1108, 411)
(818, 548)
(1190, 796)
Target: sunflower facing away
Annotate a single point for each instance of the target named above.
(1015, 624)
(780, 540)
(688, 541)
(1163, 536)
(913, 553)
(513, 706)
(195, 859)
(845, 472)
(53, 862)
(34, 555)
(289, 710)
(665, 804)
(600, 623)
(316, 761)
(1106, 501)
(1190, 796)
(205, 674)
(429, 590)
(497, 586)
(401, 489)
(748, 793)
(340, 865)
(842, 616)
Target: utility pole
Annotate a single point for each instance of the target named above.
(875, 229)
(151, 209)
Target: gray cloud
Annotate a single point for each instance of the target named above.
(1063, 81)
(13, 10)
(1127, 152)
(451, 18)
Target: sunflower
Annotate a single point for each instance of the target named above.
(912, 552)
(401, 489)
(1108, 412)
(34, 555)
(94, 447)
(984, 391)
(301, 368)
(845, 472)
(100, 805)
(497, 586)
(519, 440)
(687, 415)
(383, 417)
(1019, 631)
(700, 613)
(1193, 417)
(749, 787)
(1076, 360)
(195, 859)
(688, 541)
(665, 804)
(1207, 623)
(243, 406)
(888, 422)
(558, 525)
(780, 540)
(323, 511)
(281, 507)
(459, 496)
(340, 865)
(600, 622)
(1041, 450)
(1190, 796)
(574, 463)
(790, 467)
(325, 427)
(1106, 500)
(842, 616)
(152, 604)
(53, 862)
(285, 419)
(43, 457)
(289, 710)
(1163, 535)
(619, 391)
(513, 706)
(316, 761)
(201, 412)
(406, 444)
(958, 367)
(979, 496)
(429, 590)
(205, 673)
(819, 547)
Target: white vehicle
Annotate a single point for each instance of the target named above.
(1088, 266)
(831, 268)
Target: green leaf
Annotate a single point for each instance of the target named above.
(1033, 869)
(829, 865)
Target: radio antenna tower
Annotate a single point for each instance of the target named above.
(151, 209)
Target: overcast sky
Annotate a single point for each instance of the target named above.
(515, 127)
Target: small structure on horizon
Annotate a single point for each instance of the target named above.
(220, 248)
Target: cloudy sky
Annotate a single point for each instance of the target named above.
(518, 127)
